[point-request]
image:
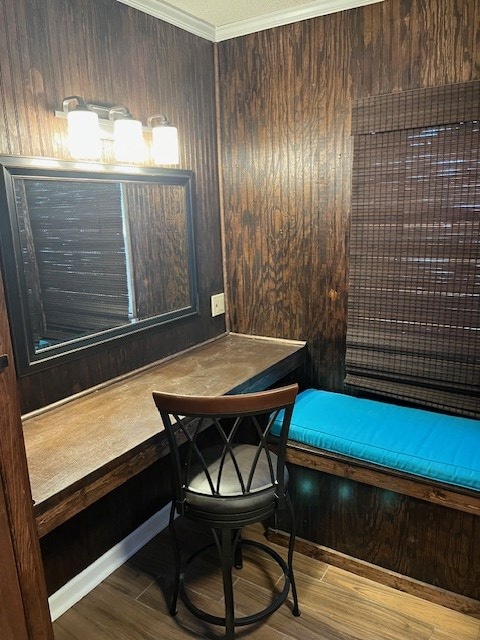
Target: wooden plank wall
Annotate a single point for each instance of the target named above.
(430, 543)
(285, 98)
(109, 53)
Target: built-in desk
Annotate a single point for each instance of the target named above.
(81, 448)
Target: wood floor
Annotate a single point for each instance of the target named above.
(335, 605)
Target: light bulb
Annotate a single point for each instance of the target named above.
(165, 144)
(83, 138)
(129, 145)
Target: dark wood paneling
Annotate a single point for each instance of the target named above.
(425, 541)
(110, 53)
(22, 583)
(74, 545)
(446, 495)
(285, 98)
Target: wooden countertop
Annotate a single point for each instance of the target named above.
(81, 448)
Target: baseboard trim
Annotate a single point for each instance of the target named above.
(89, 578)
(404, 583)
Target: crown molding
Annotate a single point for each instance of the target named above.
(172, 15)
(168, 13)
(279, 18)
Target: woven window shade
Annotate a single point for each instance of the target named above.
(79, 256)
(414, 302)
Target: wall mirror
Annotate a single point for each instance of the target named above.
(91, 253)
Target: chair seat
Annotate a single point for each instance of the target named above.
(228, 494)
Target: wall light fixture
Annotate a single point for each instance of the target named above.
(89, 123)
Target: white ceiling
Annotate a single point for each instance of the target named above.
(218, 20)
(221, 12)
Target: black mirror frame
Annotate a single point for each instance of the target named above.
(27, 360)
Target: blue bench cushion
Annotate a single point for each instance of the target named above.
(423, 443)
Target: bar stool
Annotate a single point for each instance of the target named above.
(225, 478)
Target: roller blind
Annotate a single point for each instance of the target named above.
(414, 283)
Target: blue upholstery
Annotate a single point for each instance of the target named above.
(423, 443)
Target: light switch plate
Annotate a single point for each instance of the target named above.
(218, 304)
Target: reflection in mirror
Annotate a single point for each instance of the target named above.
(91, 255)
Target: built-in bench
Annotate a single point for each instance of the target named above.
(432, 446)
(83, 447)
(412, 452)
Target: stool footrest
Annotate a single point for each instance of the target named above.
(243, 620)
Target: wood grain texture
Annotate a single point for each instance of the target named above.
(285, 99)
(384, 478)
(84, 447)
(95, 483)
(335, 604)
(380, 575)
(12, 617)
(21, 577)
(428, 542)
(112, 54)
